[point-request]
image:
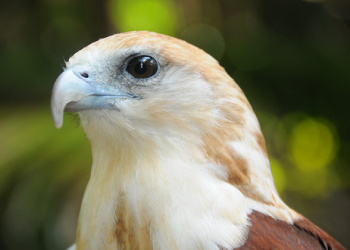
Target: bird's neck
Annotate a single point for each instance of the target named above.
(156, 197)
(175, 191)
(108, 208)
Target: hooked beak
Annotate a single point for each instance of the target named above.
(73, 93)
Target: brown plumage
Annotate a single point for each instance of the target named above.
(268, 233)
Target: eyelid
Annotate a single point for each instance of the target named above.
(130, 57)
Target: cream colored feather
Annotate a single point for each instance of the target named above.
(179, 167)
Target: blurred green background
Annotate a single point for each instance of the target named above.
(291, 58)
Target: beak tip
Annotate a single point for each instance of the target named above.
(58, 125)
(58, 120)
(57, 114)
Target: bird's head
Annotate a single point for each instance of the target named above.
(144, 84)
(143, 88)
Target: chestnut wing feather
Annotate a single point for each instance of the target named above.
(269, 233)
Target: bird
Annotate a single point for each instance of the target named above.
(179, 160)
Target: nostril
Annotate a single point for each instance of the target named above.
(85, 75)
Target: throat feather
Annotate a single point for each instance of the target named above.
(176, 202)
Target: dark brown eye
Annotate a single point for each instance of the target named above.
(142, 67)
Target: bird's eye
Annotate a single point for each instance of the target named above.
(142, 67)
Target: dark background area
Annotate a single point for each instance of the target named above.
(291, 58)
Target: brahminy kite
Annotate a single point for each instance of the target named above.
(179, 159)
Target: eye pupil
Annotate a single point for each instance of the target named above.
(142, 67)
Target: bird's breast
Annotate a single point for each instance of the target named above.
(179, 204)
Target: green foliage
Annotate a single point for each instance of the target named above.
(205, 37)
(279, 174)
(41, 168)
(303, 152)
(152, 15)
(312, 145)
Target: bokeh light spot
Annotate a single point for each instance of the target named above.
(279, 175)
(312, 144)
(153, 15)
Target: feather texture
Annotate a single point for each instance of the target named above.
(267, 233)
(184, 165)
